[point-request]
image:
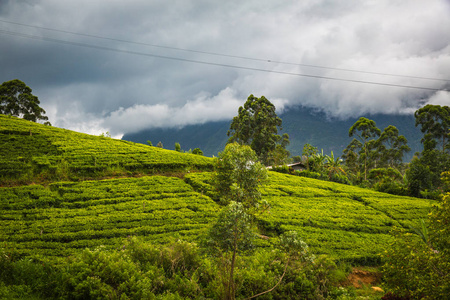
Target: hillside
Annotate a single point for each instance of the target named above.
(34, 152)
(302, 124)
(59, 218)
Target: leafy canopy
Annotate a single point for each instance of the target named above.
(257, 125)
(365, 129)
(17, 100)
(435, 124)
(239, 175)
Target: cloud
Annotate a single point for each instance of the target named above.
(203, 109)
(121, 83)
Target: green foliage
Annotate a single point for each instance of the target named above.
(365, 129)
(16, 100)
(105, 134)
(232, 230)
(388, 180)
(177, 270)
(391, 147)
(366, 153)
(418, 266)
(435, 124)
(425, 170)
(239, 175)
(257, 125)
(177, 147)
(197, 151)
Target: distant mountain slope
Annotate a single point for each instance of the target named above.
(303, 126)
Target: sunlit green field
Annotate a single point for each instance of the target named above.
(48, 207)
(31, 151)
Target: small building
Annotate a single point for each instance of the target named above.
(299, 166)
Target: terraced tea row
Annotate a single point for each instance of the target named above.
(32, 151)
(65, 217)
(339, 220)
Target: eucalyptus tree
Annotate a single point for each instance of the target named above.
(434, 121)
(425, 169)
(239, 176)
(365, 130)
(257, 125)
(391, 147)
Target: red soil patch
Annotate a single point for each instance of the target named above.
(358, 278)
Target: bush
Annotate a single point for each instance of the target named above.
(311, 174)
(419, 267)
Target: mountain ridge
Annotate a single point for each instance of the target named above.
(304, 125)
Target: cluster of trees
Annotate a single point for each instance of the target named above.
(374, 158)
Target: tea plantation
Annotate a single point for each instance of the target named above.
(62, 192)
(34, 152)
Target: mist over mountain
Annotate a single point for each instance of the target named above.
(304, 125)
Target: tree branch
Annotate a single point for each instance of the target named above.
(279, 281)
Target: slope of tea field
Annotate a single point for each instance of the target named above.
(66, 217)
(59, 218)
(342, 221)
(31, 151)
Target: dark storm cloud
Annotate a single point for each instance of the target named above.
(117, 86)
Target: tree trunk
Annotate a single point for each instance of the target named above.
(231, 291)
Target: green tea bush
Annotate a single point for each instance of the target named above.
(101, 274)
(311, 174)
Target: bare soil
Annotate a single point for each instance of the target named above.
(359, 278)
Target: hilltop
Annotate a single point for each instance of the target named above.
(35, 152)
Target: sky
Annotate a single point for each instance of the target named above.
(122, 66)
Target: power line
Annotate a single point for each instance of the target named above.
(225, 55)
(18, 34)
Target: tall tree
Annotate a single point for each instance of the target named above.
(365, 130)
(424, 173)
(435, 124)
(238, 179)
(391, 147)
(17, 100)
(239, 175)
(256, 125)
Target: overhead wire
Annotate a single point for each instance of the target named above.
(24, 35)
(221, 54)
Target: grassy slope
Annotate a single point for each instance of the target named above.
(342, 221)
(60, 218)
(32, 151)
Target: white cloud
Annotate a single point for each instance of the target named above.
(95, 90)
(440, 98)
(203, 109)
